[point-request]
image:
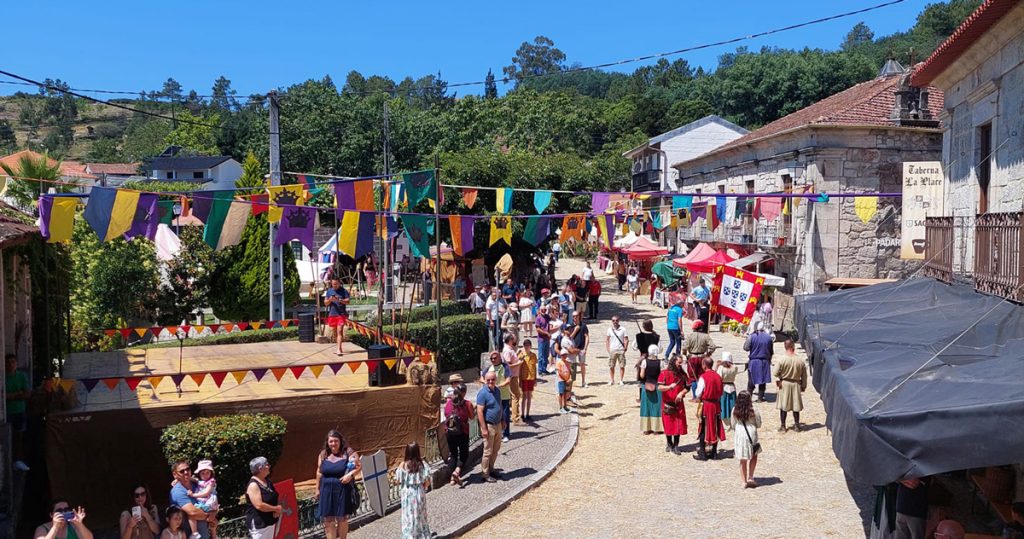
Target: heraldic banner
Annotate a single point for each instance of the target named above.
(735, 293)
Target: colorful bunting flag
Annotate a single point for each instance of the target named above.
(501, 230)
(225, 223)
(154, 381)
(387, 226)
(712, 213)
(355, 237)
(316, 370)
(110, 211)
(599, 202)
(239, 376)
(721, 208)
(57, 217)
(218, 377)
(417, 229)
(147, 218)
(572, 227)
(606, 229)
(165, 209)
(298, 223)
(419, 185)
(537, 229)
(462, 233)
(865, 207)
(771, 207)
(297, 370)
(541, 200)
(202, 202)
(281, 197)
(503, 197)
(681, 202)
(469, 197)
(354, 195)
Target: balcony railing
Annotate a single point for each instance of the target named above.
(997, 255)
(765, 235)
(647, 180)
(986, 249)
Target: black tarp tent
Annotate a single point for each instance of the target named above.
(917, 377)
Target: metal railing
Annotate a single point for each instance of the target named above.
(762, 234)
(938, 248)
(997, 255)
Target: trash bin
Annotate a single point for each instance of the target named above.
(307, 327)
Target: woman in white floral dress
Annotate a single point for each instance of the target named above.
(414, 478)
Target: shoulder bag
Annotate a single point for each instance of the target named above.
(756, 448)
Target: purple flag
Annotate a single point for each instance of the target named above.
(147, 217)
(599, 202)
(298, 223)
(699, 211)
(89, 383)
(259, 374)
(178, 379)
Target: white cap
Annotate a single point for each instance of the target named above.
(653, 350)
(726, 357)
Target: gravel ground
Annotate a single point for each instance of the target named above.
(620, 483)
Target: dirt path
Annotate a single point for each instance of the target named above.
(620, 483)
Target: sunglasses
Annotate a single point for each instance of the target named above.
(185, 471)
(140, 494)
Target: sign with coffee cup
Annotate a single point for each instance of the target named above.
(923, 190)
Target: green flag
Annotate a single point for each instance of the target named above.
(419, 185)
(417, 229)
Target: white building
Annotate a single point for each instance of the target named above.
(218, 172)
(652, 160)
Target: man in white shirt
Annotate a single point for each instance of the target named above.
(616, 342)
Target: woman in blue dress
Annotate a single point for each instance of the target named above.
(336, 469)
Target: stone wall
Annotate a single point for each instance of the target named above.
(825, 240)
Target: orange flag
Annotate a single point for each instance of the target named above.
(154, 381)
(469, 197)
(279, 372)
(239, 375)
(198, 378)
(353, 365)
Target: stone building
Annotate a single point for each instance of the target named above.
(980, 67)
(853, 141)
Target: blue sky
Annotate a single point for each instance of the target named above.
(260, 45)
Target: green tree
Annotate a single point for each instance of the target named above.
(537, 58)
(171, 90)
(223, 96)
(8, 140)
(252, 174)
(104, 150)
(22, 189)
(186, 284)
(195, 134)
(145, 137)
(240, 284)
(490, 88)
(858, 35)
(114, 283)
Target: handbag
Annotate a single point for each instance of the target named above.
(668, 408)
(353, 500)
(756, 448)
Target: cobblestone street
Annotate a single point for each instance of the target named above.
(620, 483)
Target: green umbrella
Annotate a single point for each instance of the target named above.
(668, 273)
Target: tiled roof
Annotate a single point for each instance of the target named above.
(119, 169)
(187, 163)
(973, 27)
(14, 231)
(72, 169)
(868, 103)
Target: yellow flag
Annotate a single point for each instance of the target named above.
(866, 207)
(285, 195)
(501, 230)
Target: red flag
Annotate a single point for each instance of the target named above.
(133, 382)
(218, 377)
(260, 204)
(712, 215)
(735, 293)
(469, 197)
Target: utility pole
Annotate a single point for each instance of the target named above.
(276, 253)
(389, 289)
(437, 245)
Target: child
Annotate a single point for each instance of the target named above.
(413, 476)
(527, 377)
(206, 496)
(564, 375)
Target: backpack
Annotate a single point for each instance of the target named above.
(454, 422)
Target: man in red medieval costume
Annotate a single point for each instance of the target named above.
(709, 391)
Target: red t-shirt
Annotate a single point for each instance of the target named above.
(594, 288)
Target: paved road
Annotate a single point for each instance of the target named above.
(620, 483)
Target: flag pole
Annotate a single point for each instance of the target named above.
(437, 244)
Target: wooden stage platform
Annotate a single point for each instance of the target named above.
(225, 357)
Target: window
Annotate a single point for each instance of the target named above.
(984, 168)
(787, 217)
(721, 189)
(296, 250)
(169, 175)
(198, 175)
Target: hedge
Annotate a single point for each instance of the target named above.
(235, 337)
(423, 313)
(463, 339)
(230, 441)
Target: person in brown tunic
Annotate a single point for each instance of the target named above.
(791, 378)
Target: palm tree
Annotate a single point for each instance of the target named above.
(22, 185)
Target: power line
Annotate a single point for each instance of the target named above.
(506, 80)
(149, 95)
(73, 93)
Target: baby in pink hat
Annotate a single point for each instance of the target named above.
(206, 496)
